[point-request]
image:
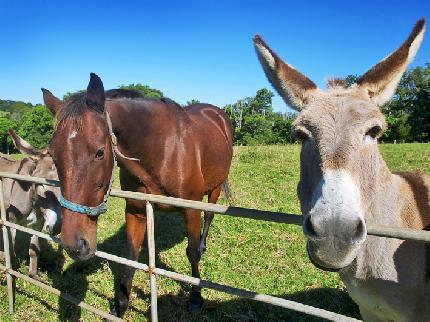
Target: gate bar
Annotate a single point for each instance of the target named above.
(63, 295)
(151, 259)
(7, 249)
(288, 304)
(271, 216)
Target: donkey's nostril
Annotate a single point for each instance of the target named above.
(308, 228)
(360, 232)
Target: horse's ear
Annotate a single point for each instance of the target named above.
(52, 103)
(23, 146)
(381, 80)
(295, 88)
(96, 93)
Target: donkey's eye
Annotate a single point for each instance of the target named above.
(100, 153)
(374, 132)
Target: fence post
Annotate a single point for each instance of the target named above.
(9, 277)
(151, 259)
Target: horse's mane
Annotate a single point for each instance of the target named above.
(75, 105)
(123, 93)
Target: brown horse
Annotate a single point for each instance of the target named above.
(180, 152)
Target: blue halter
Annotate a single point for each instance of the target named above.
(85, 210)
(102, 208)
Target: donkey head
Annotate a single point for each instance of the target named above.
(82, 151)
(339, 161)
(41, 199)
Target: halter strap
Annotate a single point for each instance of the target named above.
(101, 208)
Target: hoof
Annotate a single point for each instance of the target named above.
(33, 276)
(195, 302)
(202, 249)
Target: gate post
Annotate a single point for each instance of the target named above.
(6, 245)
(151, 259)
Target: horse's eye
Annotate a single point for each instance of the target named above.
(100, 153)
(374, 131)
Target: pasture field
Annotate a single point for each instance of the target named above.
(264, 257)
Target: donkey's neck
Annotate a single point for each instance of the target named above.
(400, 199)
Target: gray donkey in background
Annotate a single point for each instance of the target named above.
(30, 204)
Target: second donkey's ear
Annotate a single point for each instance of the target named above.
(295, 88)
(381, 81)
(52, 103)
(23, 146)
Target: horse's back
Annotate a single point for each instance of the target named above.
(213, 129)
(183, 151)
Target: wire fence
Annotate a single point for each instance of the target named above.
(400, 233)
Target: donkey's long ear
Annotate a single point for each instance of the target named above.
(23, 146)
(295, 88)
(52, 103)
(381, 80)
(96, 93)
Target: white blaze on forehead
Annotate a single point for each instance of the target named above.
(337, 194)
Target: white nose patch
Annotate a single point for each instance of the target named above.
(32, 218)
(51, 218)
(337, 194)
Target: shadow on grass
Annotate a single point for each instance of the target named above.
(169, 231)
(172, 308)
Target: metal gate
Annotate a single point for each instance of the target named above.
(400, 233)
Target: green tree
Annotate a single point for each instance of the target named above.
(257, 129)
(193, 101)
(5, 124)
(37, 126)
(283, 128)
(144, 89)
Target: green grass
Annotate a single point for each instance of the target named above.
(259, 256)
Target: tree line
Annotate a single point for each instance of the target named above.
(253, 118)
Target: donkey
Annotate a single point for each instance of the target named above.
(176, 151)
(30, 204)
(345, 184)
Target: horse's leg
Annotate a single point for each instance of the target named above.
(33, 252)
(136, 228)
(209, 216)
(192, 222)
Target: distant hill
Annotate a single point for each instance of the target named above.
(14, 109)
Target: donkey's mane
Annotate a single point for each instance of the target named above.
(6, 157)
(336, 82)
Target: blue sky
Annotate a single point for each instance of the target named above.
(193, 49)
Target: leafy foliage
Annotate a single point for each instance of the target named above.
(37, 126)
(255, 123)
(144, 89)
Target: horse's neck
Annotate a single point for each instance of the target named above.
(133, 167)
